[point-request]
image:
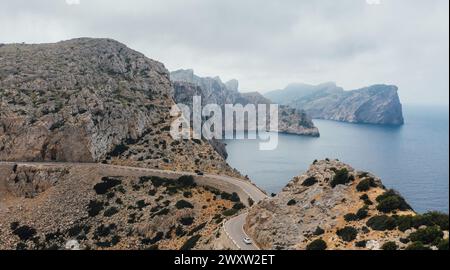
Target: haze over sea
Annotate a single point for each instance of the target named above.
(413, 159)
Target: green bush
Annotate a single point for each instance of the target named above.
(362, 213)
(95, 207)
(350, 217)
(311, 181)
(182, 204)
(404, 222)
(382, 223)
(230, 212)
(238, 206)
(443, 245)
(361, 244)
(366, 199)
(190, 243)
(365, 184)
(347, 234)
(292, 202)
(250, 201)
(391, 201)
(318, 244)
(341, 178)
(111, 212)
(417, 246)
(389, 246)
(429, 235)
(187, 221)
(319, 231)
(186, 181)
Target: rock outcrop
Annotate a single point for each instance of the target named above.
(214, 91)
(333, 206)
(377, 104)
(92, 100)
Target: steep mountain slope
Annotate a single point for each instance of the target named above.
(377, 104)
(214, 91)
(91, 100)
(333, 206)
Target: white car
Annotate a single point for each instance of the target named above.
(247, 241)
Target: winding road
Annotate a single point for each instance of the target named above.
(234, 227)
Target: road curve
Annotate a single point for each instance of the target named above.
(234, 227)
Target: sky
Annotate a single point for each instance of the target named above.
(264, 44)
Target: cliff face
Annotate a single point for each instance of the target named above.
(378, 104)
(214, 91)
(333, 206)
(91, 100)
(95, 100)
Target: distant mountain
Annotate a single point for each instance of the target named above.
(213, 91)
(377, 104)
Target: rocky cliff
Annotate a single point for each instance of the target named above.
(85, 207)
(214, 91)
(377, 104)
(92, 100)
(333, 206)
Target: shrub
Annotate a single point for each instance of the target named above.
(106, 184)
(24, 232)
(362, 213)
(347, 234)
(443, 245)
(187, 194)
(417, 246)
(292, 202)
(319, 231)
(428, 235)
(389, 246)
(111, 212)
(361, 244)
(235, 197)
(186, 181)
(190, 243)
(382, 223)
(94, 208)
(250, 201)
(230, 212)
(318, 244)
(431, 219)
(141, 204)
(391, 201)
(350, 217)
(181, 204)
(311, 181)
(340, 178)
(238, 206)
(366, 199)
(198, 228)
(187, 221)
(365, 184)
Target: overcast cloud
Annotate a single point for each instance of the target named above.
(264, 44)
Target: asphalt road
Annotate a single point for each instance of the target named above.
(234, 227)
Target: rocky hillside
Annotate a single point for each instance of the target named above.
(333, 206)
(377, 104)
(84, 207)
(92, 100)
(214, 91)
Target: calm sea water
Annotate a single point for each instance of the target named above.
(413, 159)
